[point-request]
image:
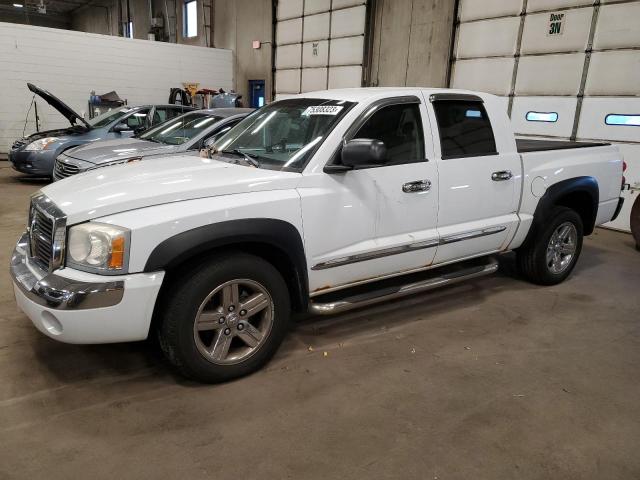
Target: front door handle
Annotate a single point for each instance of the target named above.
(501, 175)
(417, 186)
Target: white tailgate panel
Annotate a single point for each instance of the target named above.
(288, 81)
(289, 31)
(316, 6)
(488, 38)
(492, 75)
(288, 56)
(346, 51)
(348, 22)
(314, 79)
(345, 77)
(315, 54)
(535, 38)
(477, 9)
(316, 27)
(614, 73)
(289, 9)
(565, 107)
(549, 74)
(592, 119)
(618, 26)
(537, 5)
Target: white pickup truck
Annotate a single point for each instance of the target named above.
(323, 202)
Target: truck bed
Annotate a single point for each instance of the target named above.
(525, 145)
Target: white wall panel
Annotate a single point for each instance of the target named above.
(314, 79)
(289, 31)
(344, 77)
(346, 51)
(549, 74)
(337, 4)
(478, 9)
(492, 75)
(614, 73)
(316, 6)
(535, 37)
(288, 56)
(592, 119)
(537, 5)
(315, 54)
(618, 26)
(348, 22)
(70, 64)
(487, 38)
(289, 9)
(316, 27)
(565, 107)
(288, 81)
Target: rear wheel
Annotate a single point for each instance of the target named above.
(226, 319)
(552, 254)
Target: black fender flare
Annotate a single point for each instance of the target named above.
(553, 197)
(278, 235)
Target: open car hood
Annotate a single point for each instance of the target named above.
(59, 105)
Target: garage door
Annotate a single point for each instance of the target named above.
(319, 45)
(565, 68)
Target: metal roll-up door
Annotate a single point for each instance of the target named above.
(319, 45)
(566, 69)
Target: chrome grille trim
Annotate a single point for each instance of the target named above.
(46, 232)
(62, 169)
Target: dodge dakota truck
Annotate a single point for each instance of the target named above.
(319, 203)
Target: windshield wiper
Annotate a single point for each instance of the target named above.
(249, 158)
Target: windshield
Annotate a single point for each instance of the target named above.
(106, 118)
(181, 129)
(285, 134)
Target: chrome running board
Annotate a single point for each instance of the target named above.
(398, 291)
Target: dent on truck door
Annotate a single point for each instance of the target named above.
(479, 187)
(379, 220)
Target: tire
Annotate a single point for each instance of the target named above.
(533, 262)
(205, 295)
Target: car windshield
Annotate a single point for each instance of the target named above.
(108, 117)
(283, 135)
(181, 129)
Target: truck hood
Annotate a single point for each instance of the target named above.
(106, 151)
(119, 188)
(59, 105)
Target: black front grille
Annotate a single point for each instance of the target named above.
(64, 170)
(41, 237)
(18, 144)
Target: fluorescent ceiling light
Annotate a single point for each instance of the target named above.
(18, 5)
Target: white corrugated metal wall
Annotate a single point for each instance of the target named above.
(70, 64)
(579, 59)
(319, 45)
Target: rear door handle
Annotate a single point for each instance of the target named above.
(417, 186)
(501, 176)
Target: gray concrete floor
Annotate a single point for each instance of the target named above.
(491, 379)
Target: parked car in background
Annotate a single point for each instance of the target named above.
(36, 153)
(186, 133)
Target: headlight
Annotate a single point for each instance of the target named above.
(98, 247)
(41, 144)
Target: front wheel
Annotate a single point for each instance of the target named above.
(225, 319)
(552, 254)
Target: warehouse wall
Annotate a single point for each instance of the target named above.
(11, 15)
(71, 64)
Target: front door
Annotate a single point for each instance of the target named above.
(368, 223)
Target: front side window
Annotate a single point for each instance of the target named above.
(191, 18)
(137, 119)
(400, 128)
(181, 129)
(283, 135)
(465, 129)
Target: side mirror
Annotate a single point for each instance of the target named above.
(121, 127)
(361, 152)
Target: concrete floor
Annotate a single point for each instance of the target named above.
(491, 379)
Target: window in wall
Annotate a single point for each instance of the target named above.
(622, 119)
(465, 129)
(541, 116)
(400, 128)
(130, 30)
(191, 18)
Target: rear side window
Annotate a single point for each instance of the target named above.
(400, 128)
(465, 129)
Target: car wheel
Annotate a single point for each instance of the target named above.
(226, 319)
(554, 251)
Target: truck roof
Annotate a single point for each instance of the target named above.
(359, 94)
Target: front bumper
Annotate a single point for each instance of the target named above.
(79, 307)
(33, 163)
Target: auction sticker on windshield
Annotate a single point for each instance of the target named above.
(323, 110)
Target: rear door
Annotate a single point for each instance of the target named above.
(479, 185)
